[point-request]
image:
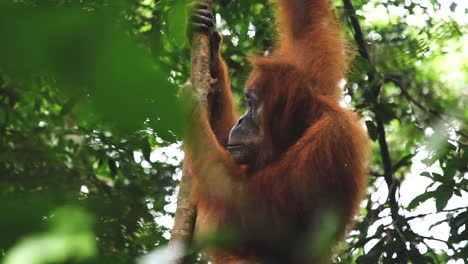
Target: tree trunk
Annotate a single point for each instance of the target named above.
(186, 214)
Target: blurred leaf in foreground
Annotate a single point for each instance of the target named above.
(69, 237)
(90, 56)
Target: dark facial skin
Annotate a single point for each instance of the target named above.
(245, 136)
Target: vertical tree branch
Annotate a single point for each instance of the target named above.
(185, 216)
(384, 152)
(186, 213)
(400, 223)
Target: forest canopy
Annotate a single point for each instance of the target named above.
(91, 124)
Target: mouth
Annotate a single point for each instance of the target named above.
(234, 146)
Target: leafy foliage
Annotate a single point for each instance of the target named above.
(89, 124)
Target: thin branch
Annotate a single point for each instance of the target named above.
(449, 245)
(438, 114)
(407, 95)
(432, 213)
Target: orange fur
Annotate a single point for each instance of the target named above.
(311, 160)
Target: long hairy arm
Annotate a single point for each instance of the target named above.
(222, 111)
(218, 175)
(310, 37)
(209, 119)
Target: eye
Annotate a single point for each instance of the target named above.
(248, 101)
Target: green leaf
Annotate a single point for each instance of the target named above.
(450, 168)
(373, 255)
(442, 195)
(112, 167)
(426, 174)
(405, 161)
(146, 148)
(441, 147)
(177, 23)
(437, 177)
(386, 112)
(103, 172)
(419, 200)
(371, 129)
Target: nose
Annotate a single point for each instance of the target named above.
(241, 119)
